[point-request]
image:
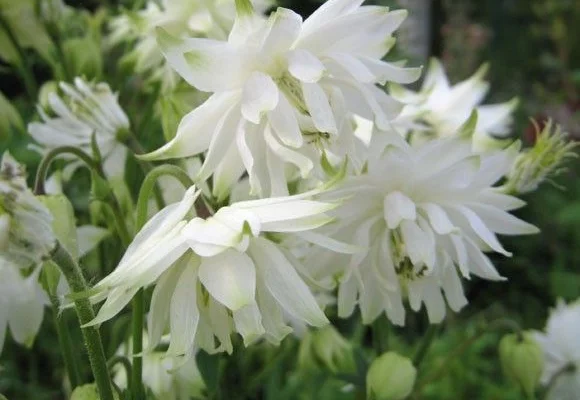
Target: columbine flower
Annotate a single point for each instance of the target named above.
(26, 235)
(181, 18)
(82, 111)
(22, 302)
(169, 378)
(283, 89)
(542, 161)
(220, 275)
(439, 109)
(425, 215)
(561, 352)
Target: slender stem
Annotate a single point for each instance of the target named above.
(86, 314)
(55, 34)
(502, 323)
(124, 361)
(120, 223)
(147, 188)
(65, 343)
(23, 66)
(425, 344)
(380, 332)
(49, 158)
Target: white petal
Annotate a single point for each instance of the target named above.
(482, 230)
(284, 122)
(259, 96)
(438, 218)
(502, 222)
(285, 27)
(230, 277)
(304, 66)
(304, 164)
(272, 317)
(329, 243)
(117, 299)
(319, 108)
(284, 284)
(227, 173)
(184, 315)
(398, 207)
(248, 322)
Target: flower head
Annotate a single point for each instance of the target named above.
(559, 342)
(542, 161)
(26, 235)
(423, 216)
(440, 109)
(283, 90)
(218, 275)
(84, 110)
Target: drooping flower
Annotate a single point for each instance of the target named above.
(220, 275)
(439, 109)
(26, 235)
(200, 18)
(541, 162)
(84, 110)
(283, 90)
(169, 378)
(425, 215)
(22, 302)
(559, 342)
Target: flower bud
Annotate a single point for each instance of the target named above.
(332, 350)
(522, 361)
(88, 392)
(542, 161)
(390, 377)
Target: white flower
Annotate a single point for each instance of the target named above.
(424, 216)
(220, 275)
(283, 89)
(169, 378)
(22, 302)
(181, 18)
(561, 352)
(26, 235)
(82, 111)
(439, 109)
(542, 161)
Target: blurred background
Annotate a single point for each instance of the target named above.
(533, 50)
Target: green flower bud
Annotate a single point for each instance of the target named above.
(390, 377)
(332, 351)
(522, 361)
(88, 392)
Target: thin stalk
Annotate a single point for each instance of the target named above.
(66, 348)
(147, 188)
(425, 344)
(23, 66)
(86, 314)
(380, 332)
(126, 365)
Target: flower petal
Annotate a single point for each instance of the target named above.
(259, 96)
(304, 66)
(319, 108)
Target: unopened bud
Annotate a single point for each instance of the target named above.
(390, 377)
(332, 351)
(522, 361)
(88, 392)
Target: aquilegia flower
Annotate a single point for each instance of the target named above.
(181, 18)
(22, 302)
(84, 110)
(561, 352)
(283, 89)
(26, 235)
(220, 275)
(425, 215)
(439, 109)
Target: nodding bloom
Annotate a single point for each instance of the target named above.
(82, 111)
(425, 216)
(219, 275)
(561, 353)
(283, 90)
(26, 235)
(439, 109)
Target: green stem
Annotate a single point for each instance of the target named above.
(147, 188)
(502, 323)
(55, 34)
(49, 158)
(124, 361)
(66, 347)
(380, 332)
(421, 352)
(23, 66)
(86, 314)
